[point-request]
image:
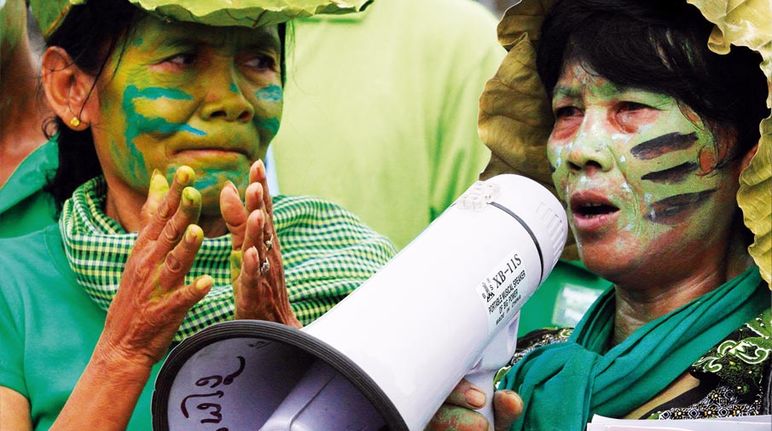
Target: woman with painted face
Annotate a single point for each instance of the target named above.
(181, 99)
(652, 135)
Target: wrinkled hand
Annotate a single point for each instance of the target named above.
(152, 301)
(457, 414)
(256, 268)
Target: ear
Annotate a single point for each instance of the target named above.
(67, 88)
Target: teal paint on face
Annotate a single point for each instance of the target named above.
(137, 124)
(205, 181)
(272, 93)
(269, 124)
(233, 88)
(137, 41)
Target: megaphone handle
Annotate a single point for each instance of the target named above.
(483, 379)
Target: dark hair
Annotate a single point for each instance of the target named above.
(90, 34)
(659, 46)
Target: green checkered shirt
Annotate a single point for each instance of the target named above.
(327, 252)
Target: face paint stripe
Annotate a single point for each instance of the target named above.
(674, 209)
(271, 93)
(672, 175)
(662, 145)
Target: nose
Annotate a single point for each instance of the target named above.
(590, 147)
(224, 99)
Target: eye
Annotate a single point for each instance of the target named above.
(631, 115)
(567, 111)
(568, 118)
(632, 107)
(261, 62)
(178, 61)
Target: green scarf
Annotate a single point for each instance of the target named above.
(562, 385)
(326, 253)
(97, 248)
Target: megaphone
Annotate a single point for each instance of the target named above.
(387, 356)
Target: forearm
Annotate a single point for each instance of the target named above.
(106, 393)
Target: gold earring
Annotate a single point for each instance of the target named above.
(75, 122)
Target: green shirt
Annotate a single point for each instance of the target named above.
(380, 110)
(24, 206)
(49, 325)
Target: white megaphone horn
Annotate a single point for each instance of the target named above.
(387, 356)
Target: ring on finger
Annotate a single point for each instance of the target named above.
(265, 267)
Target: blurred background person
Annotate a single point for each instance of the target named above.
(387, 123)
(25, 162)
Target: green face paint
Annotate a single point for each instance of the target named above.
(189, 94)
(631, 166)
(271, 93)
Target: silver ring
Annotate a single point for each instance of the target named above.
(265, 267)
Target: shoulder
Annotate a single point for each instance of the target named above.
(30, 177)
(28, 254)
(26, 263)
(734, 376)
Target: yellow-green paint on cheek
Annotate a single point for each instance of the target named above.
(138, 124)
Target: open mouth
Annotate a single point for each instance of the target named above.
(591, 210)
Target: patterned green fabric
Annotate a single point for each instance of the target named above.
(562, 385)
(326, 253)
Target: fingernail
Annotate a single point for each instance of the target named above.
(158, 184)
(474, 397)
(190, 196)
(184, 175)
(232, 186)
(193, 234)
(236, 259)
(204, 282)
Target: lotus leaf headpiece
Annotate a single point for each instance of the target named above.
(242, 13)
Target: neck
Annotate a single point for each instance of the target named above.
(124, 205)
(648, 297)
(22, 111)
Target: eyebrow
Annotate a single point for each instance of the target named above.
(564, 91)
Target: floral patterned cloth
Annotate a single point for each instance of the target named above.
(735, 376)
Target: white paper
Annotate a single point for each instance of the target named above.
(739, 423)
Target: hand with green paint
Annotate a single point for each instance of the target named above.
(152, 299)
(257, 274)
(457, 415)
